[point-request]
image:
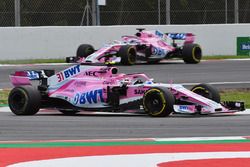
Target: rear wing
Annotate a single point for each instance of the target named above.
(187, 37)
(180, 36)
(25, 77)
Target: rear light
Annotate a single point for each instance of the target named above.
(21, 73)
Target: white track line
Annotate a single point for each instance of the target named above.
(201, 138)
(170, 60)
(246, 59)
(219, 83)
(174, 139)
(7, 109)
(131, 160)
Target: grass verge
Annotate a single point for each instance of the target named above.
(4, 97)
(226, 95)
(33, 61)
(219, 57)
(236, 95)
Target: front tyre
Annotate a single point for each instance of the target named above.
(24, 100)
(158, 102)
(207, 91)
(127, 54)
(192, 53)
(84, 50)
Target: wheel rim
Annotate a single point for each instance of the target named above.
(196, 53)
(154, 103)
(18, 101)
(131, 55)
(203, 92)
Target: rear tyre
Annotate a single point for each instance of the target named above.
(207, 91)
(84, 50)
(127, 54)
(192, 53)
(158, 102)
(24, 100)
(69, 112)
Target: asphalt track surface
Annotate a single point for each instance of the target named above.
(234, 72)
(55, 126)
(47, 126)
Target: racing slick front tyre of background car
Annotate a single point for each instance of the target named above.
(127, 54)
(207, 91)
(158, 102)
(84, 50)
(24, 100)
(192, 53)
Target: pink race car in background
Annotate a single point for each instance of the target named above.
(150, 46)
(102, 88)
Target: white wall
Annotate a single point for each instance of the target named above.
(59, 42)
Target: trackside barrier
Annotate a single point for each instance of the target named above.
(58, 42)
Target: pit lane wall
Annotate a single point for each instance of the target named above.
(58, 42)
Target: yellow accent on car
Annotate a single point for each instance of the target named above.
(197, 88)
(110, 63)
(162, 98)
(193, 54)
(129, 60)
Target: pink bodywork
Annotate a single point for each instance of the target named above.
(88, 86)
(20, 78)
(159, 43)
(90, 79)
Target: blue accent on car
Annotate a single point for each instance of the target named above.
(72, 71)
(158, 51)
(33, 75)
(183, 107)
(177, 35)
(89, 97)
(159, 34)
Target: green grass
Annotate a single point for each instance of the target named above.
(226, 95)
(237, 95)
(4, 96)
(219, 57)
(34, 61)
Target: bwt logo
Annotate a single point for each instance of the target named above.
(158, 51)
(245, 46)
(68, 73)
(184, 108)
(90, 97)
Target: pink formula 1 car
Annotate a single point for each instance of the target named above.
(150, 46)
(102, 88)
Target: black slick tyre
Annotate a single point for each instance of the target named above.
(127, 54)
(207, 91)
(84, 50)
(192, 53)
(158, 102)
(24, 100)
